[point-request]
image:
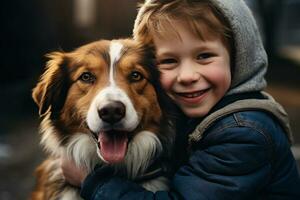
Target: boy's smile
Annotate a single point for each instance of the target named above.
(191, 97)
(195, 73)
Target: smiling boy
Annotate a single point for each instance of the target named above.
(195, 73)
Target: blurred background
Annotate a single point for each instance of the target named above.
(32, 28)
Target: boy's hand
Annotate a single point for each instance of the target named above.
(73, 174)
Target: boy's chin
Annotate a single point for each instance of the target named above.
(194, 112)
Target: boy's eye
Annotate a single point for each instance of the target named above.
(203, 56)
(167, 61)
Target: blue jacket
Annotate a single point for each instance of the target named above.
(242, 155)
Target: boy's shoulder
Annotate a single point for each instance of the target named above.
(258, 115)
(253, 127)
(248, 131)
(259, 120)
(243, 125)
(254, 121)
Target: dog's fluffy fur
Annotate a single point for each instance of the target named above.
(71, 95)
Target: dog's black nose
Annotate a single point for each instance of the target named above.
(112, 112)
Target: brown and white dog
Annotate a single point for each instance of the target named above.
(100, 104)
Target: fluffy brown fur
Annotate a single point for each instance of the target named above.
(65, 96)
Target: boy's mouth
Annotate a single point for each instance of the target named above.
(191, 94)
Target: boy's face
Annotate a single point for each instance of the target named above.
(194, 73)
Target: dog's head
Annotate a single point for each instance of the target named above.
(107, 88)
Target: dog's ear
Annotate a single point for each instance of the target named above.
(51, 90)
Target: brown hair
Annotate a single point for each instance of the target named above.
(200, 15)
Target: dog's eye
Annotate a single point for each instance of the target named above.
(87, 77)
(136, 76)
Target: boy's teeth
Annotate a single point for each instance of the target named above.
(192, 95)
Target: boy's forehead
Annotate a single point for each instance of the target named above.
(173, 29)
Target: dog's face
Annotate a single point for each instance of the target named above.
(105, 89)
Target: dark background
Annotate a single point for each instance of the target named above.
(32, 28)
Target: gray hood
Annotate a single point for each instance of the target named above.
(250, 57)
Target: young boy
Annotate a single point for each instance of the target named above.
(212, 63)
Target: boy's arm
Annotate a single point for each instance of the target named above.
(117, 188)
(231, 164)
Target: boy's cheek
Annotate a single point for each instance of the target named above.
(166, 81)
(219, 77)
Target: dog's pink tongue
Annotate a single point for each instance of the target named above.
(113, 147)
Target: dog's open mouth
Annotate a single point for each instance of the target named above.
(113, 145)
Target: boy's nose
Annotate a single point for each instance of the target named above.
(188, 74)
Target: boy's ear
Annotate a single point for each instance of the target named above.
(51, 90)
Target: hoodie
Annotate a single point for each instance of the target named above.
(250, 63)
